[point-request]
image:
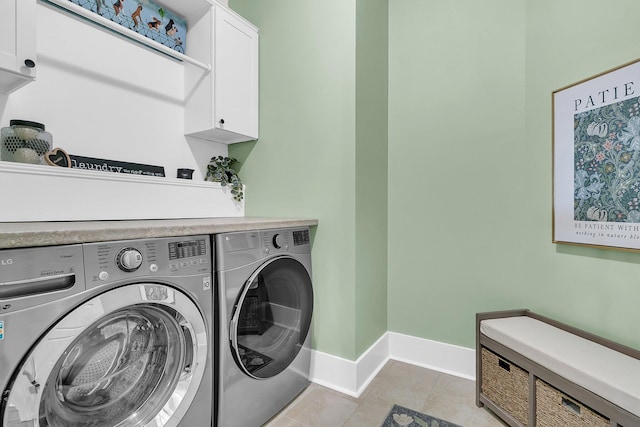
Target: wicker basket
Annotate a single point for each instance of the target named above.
(554, 408)
(506, 385)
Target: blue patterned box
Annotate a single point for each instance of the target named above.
(144, 17)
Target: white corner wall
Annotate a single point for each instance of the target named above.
(102, 96)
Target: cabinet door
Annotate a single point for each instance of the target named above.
(8, 34)
(17, 43)
(236, 75)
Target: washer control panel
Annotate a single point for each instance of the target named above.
(129, 259)
(187, 248)
(147, 258)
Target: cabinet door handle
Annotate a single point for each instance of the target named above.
(221, 121)
(29, 63)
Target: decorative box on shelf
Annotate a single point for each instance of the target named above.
(156, 27)
(45, 193)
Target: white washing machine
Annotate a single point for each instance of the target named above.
(107, 334)
(265, 302)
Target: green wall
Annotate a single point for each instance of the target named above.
(470, 126)
(322, 156)
(595, 289)
(371, 171)
(456, 141)
(466, 223)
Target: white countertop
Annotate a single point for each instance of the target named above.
(28, 234)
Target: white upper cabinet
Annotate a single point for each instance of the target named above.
(17, 43)
(236, 75)
(222, 105)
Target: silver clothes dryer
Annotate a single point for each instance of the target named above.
(265, 302)
(107, 334)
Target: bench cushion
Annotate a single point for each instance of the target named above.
(599, 369)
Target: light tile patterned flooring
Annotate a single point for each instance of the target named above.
(430, 392)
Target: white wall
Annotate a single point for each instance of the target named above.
(103, 96)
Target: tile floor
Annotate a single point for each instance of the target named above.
(430, 392)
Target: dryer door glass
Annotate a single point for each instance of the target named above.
(272, 317)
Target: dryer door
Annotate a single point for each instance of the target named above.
(133, 356)
(271, 318)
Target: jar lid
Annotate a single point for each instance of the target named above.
(26, 123)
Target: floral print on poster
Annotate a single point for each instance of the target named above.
(607, 163)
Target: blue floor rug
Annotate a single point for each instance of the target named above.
(400, 416)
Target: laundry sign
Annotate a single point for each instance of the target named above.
(105, 165)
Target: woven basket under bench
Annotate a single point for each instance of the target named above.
(506, 385)
(524, 387)
(554, 409)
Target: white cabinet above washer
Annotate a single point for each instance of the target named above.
(17, 43)
(222, 105)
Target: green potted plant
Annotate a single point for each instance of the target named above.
(219, 170)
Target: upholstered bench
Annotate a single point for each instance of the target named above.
(534, 371)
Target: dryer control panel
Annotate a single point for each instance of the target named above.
(160, 257)
(242, 248)
(284, 240)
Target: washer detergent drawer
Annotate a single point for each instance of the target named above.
(25, 283)
(23, 288)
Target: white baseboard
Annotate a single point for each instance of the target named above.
(442, 357)
(351, 378)
(347, 376)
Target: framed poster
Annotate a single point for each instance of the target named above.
(596, 160)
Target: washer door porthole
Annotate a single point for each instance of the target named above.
(133, 356)
(129, 362)
(272, 317)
